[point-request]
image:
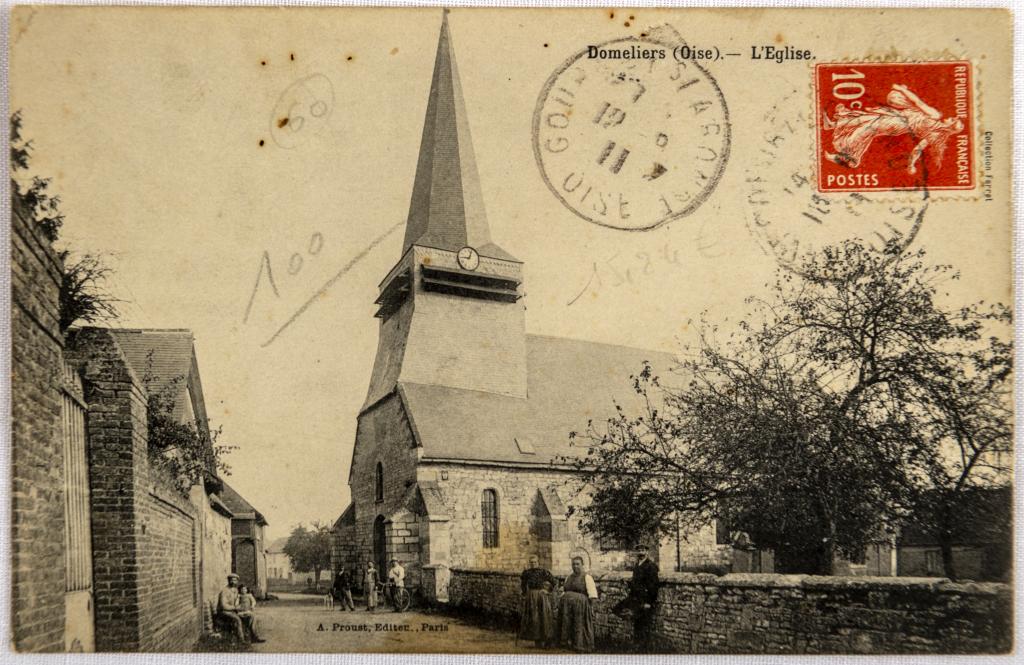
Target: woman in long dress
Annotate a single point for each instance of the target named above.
(854, 130)
(576, 611)
(371, 580)
(538, 614)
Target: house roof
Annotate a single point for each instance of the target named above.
(219, 505)
(277, 545)
(161, 356)
(241, 508)
(348, 516)
(569, 382)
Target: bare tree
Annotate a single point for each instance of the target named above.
(813, 427)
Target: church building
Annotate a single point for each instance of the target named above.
(459, 458)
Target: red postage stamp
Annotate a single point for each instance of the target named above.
(894, 126)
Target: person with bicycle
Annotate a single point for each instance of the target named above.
(396, 580)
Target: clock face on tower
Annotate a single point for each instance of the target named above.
(468, 258)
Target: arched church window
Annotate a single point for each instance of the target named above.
(379, 485)
(489, 517)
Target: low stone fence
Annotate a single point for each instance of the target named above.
(767, 613)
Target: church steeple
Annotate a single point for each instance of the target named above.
(447, 208)
(451, 310)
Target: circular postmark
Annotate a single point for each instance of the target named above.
(631, 143)
(792, 220)
(302, 111)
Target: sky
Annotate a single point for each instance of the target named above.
(159, 129)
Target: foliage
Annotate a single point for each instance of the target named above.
(824, 419)
(309, 549)
(44, 206)
(82, 294)
(184, 450)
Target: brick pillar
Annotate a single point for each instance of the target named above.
(37, 459)
(118, 460)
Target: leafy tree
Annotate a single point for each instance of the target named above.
(82, 293)
(83, 296)
(44, 206)
(310, 549)
(969, 422)
(818, 424)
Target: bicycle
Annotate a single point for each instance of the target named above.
(400, 599)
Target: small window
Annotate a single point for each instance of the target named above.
(379, 484)
(525, 447)
(489, 517)
(933, 562)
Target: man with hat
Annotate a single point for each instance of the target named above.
(227, 612)
(642, 598)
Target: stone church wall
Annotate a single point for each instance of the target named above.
(521, 529)
(37, 463)
(784, 613)
(383, 435)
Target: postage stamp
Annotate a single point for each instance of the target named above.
(793, 220)
(881, 125)
(630, 137)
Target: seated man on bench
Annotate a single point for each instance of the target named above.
(229, 613)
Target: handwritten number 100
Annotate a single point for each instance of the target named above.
(295, 261)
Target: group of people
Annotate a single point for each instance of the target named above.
(571, 622)
(344, 581)
(236, 609)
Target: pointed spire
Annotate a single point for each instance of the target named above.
(447, 208)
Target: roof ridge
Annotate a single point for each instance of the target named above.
(607, 344)
(153, 330)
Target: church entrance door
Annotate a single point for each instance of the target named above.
(380, 553)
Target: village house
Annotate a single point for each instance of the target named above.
(279, 566)
(460, 458)
(248, 547)
(108, 554)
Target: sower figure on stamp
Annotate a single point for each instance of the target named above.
(538, 613)
(642, 599)
(342, 590)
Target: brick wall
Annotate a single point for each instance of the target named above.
(145, 567)
(168, 594)
(37, 465)
(786, 613)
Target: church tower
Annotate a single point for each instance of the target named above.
(450, 310)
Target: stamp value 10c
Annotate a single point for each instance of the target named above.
(894, 126)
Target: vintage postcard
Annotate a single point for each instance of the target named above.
(531, 331)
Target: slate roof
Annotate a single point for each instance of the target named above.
(277, 545)
(447, 208)
(348, 516)
(164, 355)
(569, 382)
(241, 508)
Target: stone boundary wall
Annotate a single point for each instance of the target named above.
(767, 613)
(144, 533)
(37, 456)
